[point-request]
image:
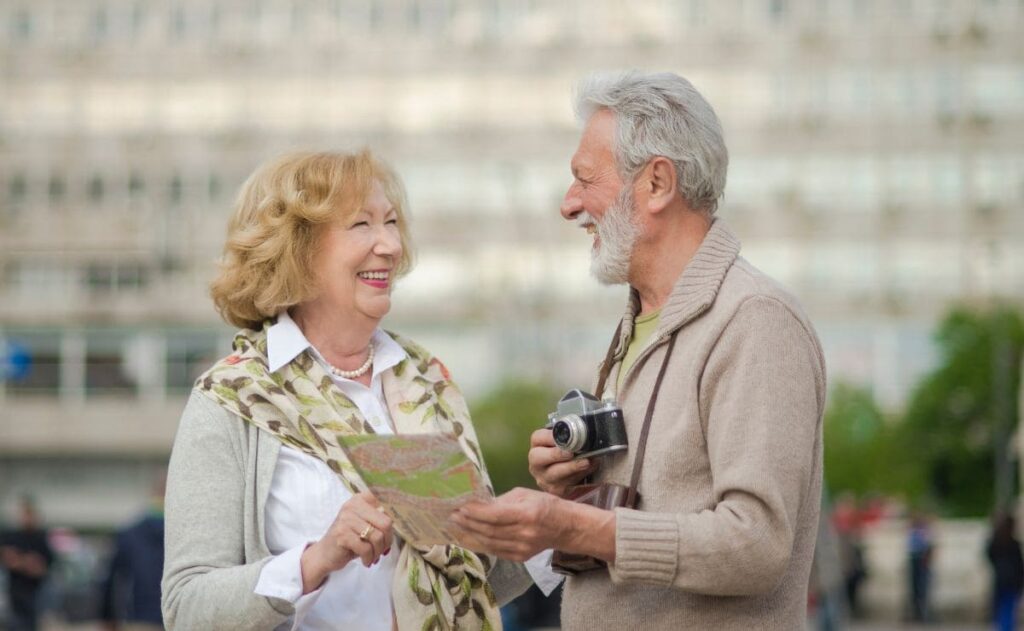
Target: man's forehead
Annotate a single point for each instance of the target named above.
(580, 161)
(595, 143)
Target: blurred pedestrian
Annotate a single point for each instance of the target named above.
(131, 591)
(26, 555)
(847, 521)
(921, 548)
(826, 590)
(1004, 554)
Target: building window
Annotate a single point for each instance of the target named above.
(104, 374)
(21, 25)
(777, 11)
(17, 189)
(178, 24)
(376, 16)
(174, 189)
(189, 354)
(42, 376)
(110, 277)
(39, 277)
(214, 22)
(132, 276)
(106, 368)
(55, 189)
(96, 189)
(37, 367)
(100, 277)
(137, 19)
(298, 20)
(135, 184)
(9, 273)
(214, 187)
(100, 24)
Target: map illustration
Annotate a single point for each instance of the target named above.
(418, 478)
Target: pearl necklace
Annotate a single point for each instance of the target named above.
(352, 374)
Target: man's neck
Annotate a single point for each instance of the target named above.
(663, 254)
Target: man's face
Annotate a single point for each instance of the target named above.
(601, 203)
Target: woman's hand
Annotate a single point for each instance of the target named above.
(553, 468)
(342, 542)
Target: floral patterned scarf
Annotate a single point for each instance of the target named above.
(439, 587)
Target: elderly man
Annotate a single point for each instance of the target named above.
(723, 534)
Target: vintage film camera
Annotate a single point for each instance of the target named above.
(587, 426)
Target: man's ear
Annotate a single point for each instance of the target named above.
(662, 187)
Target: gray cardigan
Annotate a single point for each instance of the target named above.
(217, 485)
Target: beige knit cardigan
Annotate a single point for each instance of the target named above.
(731, 484)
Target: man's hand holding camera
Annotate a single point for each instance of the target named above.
(553, 467)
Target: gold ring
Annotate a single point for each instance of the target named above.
(366, 532)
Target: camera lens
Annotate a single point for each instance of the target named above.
(570, 433)
(561, 432)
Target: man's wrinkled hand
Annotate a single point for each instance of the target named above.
(515, 526)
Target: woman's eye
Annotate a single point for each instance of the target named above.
(359, 223)
(393, 222)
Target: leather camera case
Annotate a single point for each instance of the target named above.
(605, 495)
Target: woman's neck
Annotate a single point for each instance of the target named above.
(343, 340)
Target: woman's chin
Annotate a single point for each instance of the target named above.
(376, 308)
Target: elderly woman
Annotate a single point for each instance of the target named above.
(268, 526)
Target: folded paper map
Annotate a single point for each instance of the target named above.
(419, 479)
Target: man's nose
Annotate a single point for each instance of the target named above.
(571, 206)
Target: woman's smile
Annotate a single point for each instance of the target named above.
(375, 278)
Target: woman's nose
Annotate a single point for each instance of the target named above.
(388, 242)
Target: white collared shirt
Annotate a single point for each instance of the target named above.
(305, 497)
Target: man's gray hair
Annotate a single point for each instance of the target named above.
(662, 114)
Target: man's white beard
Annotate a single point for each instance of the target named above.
(617, 233)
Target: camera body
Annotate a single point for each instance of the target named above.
(587, 426)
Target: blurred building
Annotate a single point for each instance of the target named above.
(877, 170)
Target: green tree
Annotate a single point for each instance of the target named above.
(862, 447)
(504, 420)
(961, 416)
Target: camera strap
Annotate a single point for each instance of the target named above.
(606, 368)
(609, 359)
(638, 461)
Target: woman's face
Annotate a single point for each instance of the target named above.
(357, 259)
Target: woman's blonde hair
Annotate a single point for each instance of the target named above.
(279, 218)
